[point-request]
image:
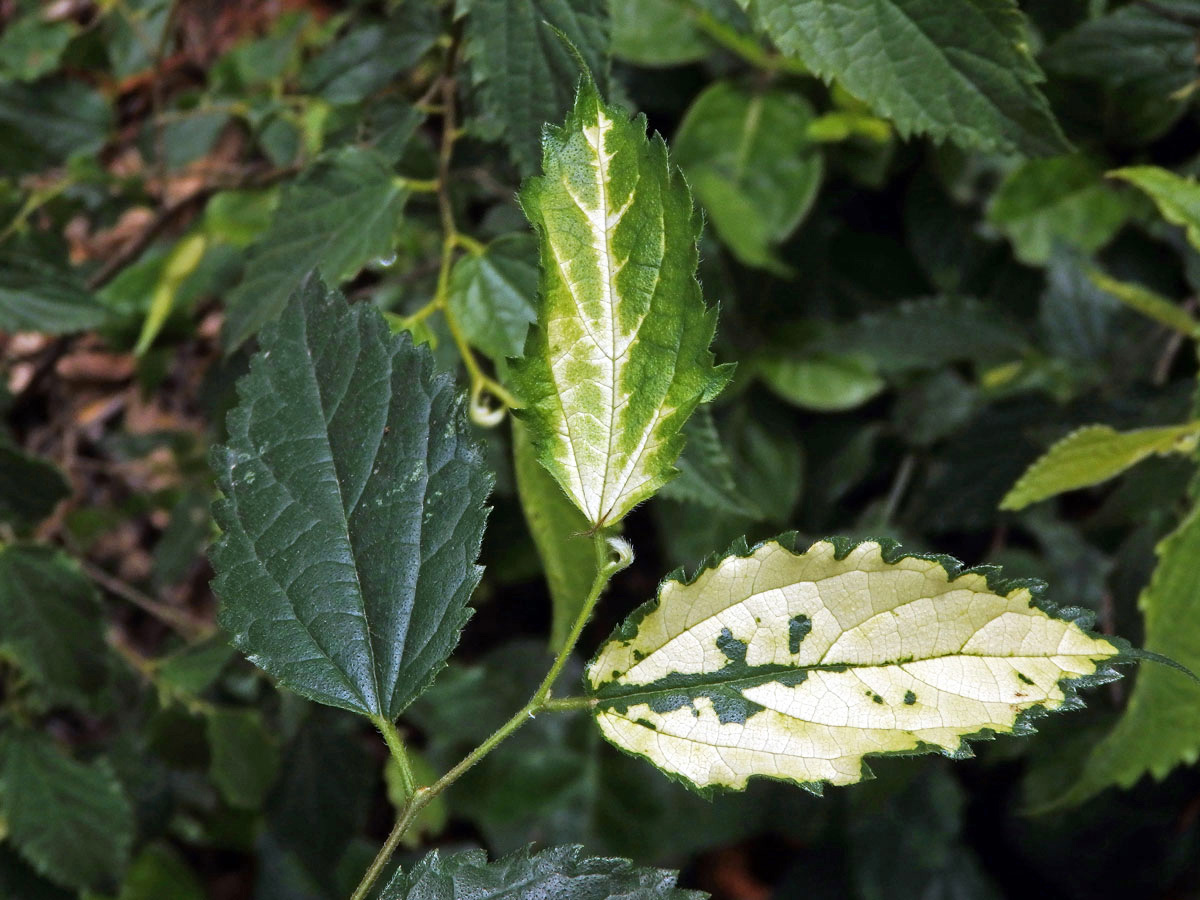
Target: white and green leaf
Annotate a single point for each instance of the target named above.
(1092, 455)
(619, 358)
(797, 666)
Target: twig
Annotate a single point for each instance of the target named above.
(188, 626)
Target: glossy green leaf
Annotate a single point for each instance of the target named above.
(525, 73)
(797, 666)
(336, 217)
(492, 295)
(957, 69)
(619, 357)
(1095, 454)
(71, 821)
(35, 296)
(563, 873)
(353, 509)
(748, 157)
(824, 382)
(1059, 200)
(51, 626)
(559, 532)
(30, 487)
(1160, 728)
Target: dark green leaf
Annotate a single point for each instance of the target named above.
(71, 821)
(957, 69)
(336, 217)
(924, 334)
(50, 623)
(525, 73)
(353, 509)
(365, 59)
(30, 487)
(157, 873)
(244, 758)
(563, 873)
(44, 123)
(35, 296)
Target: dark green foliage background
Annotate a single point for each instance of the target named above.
(908, 342)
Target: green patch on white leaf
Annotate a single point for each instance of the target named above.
(1095, 454)
(797, 666)
(620, 355)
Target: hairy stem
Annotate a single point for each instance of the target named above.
(396, 745)
(612, 555)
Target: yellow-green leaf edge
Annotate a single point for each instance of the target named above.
(891, 552)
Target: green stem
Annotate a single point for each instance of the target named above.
(742, 45)
(612, 555)
(396, 745)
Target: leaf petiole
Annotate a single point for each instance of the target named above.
(612, 555)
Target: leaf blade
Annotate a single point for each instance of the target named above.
(620, 356)
(976, 82)
(1092, 455)
(783, 688)
(386, 466)
(560, 872)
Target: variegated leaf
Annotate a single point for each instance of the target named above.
(797, 666)
(620, 355)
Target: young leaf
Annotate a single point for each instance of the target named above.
(619, 358)
(353, 509)
(524, 72)
(798, 666)
(1161, 725)
(50, 623)
(563, 873)
(559, 532)
(336, 217)
(71, 821)
(1094, 454)
(1177, 198)
(958, 69)
(491, 295)
(748, 158)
